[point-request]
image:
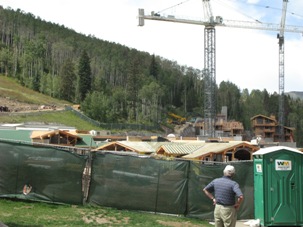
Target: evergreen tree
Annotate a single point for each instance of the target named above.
(85, 75)
(5, 60)
(67, 85)
(133, 85)
(154, 67)
(229, 95)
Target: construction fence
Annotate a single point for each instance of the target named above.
(123, 181)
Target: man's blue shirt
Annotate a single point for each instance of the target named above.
(225, 190)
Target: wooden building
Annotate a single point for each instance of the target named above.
(139, 147)
(178, 149)
(229, 128)
(269, 130)
(224, 151)
(55, 137)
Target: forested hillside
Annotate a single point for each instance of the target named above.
(114, 83)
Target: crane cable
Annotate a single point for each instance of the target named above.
(244, 2)
(173, 6)
(240, 12)
(256, 5)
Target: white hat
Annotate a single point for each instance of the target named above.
(229, 170)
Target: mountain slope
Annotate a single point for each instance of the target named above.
(19, 98)
(295, 94)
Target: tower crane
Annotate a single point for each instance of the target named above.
(209, 71)
(280, 37)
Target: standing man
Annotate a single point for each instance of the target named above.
(226, 196)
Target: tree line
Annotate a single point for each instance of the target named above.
(115, 83)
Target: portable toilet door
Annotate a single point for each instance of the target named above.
(278, 186)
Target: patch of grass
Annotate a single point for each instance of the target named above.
(12, 89)
(34, 214)
(67, 118)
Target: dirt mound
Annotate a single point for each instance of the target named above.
(15, 106)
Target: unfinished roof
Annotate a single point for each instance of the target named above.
(47, 134)
(179, 149)
(290, 128)
(33, 137)
(263, 116)
(55, 137)
(217, 148)
(139, 147)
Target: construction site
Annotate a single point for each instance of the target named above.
(267, 129)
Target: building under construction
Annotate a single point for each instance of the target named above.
(267, 131)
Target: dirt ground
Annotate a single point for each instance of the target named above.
(16, 106)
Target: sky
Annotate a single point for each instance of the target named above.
(246, 57)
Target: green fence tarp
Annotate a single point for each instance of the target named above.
(199, 205)
(174, 187)
(135, 183)
(54, 175)
(120, 181)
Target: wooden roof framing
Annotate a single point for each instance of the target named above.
(138, 147)
(56, 135)
(209, 150)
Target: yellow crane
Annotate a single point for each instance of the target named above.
(175, 118)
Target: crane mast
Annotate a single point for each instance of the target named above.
(280, 37)
(209, 75)
(209, 71)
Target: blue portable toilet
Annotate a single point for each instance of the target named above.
(278, 186)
